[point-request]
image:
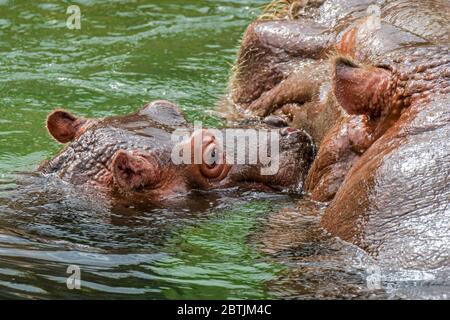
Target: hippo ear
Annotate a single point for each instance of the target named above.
(360, 90)
(63, 126)
(132, 171)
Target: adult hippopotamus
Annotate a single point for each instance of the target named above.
(369, 80)
(134, 153)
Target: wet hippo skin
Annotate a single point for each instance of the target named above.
(374, 95)
(133, 154)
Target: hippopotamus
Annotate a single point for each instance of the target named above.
(134, 154)
(369, 81)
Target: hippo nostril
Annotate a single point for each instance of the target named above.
(287, 131)
(275, 121)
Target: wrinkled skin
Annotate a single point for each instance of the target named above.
(132, 154)
(376, 103)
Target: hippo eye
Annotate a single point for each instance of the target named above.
(211, 155)
(213, 166)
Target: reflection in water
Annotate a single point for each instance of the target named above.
(323, 267)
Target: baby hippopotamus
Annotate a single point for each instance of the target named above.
(134, 153)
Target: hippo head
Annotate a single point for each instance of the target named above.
(143, 153)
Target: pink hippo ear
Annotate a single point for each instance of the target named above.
(360, 90)
(63, 126)
(132, 171)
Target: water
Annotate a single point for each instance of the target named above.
(216, 245)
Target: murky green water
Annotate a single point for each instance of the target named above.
(227, 244)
